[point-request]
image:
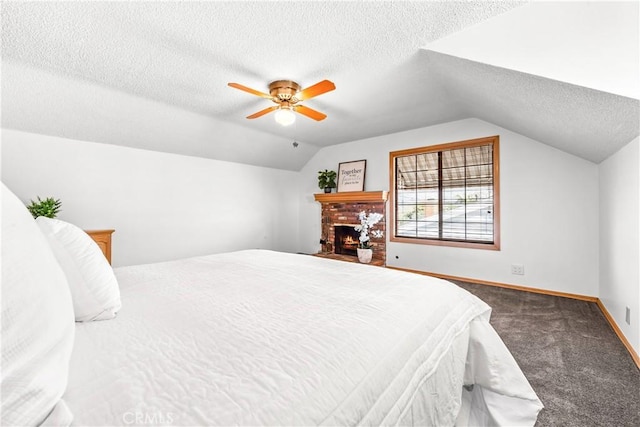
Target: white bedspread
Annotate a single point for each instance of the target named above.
(265, 338)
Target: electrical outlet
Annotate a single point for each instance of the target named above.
(517, 269)
(627, 316)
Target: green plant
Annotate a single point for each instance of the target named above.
(326, 179)
(48, 207)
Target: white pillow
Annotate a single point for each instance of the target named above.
(94, 288)
(37, 322)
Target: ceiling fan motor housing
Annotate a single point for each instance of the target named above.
(284, 90)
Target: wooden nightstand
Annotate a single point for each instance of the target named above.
(103, 239)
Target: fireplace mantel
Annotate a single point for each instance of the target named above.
(352, 196)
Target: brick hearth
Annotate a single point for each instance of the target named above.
(343, 209)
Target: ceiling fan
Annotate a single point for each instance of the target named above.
(287, 94)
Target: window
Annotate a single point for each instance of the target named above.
(447, 194)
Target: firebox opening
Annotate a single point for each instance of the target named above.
(346, 240)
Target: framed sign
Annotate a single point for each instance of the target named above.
(351, 176)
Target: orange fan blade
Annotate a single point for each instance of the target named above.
(251, 91)
(310, 112)
(262, 112)
(315, 90)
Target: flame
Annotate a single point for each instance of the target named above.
(349, 241)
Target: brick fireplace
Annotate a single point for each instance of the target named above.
(340, 211)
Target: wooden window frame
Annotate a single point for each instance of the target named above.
(495, 141)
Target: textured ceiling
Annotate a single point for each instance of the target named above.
(154, 75)
(584, 122)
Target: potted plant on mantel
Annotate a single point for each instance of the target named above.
(365, 251)
(327, 180)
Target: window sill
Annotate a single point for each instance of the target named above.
(417, 241)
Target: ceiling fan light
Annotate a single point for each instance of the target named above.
(285, 116)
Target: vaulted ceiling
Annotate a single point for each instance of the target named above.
(153, 75)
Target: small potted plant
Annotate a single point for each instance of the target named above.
(367, 222)
(327, 180)
(48, 207)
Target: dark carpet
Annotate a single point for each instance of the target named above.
(574, 361)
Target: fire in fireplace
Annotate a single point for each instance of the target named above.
(346, 240)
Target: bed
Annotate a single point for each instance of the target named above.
(253, 337)
(265, 338)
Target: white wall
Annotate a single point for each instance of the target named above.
(549, 209)
(620, 238)
(162, 206)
